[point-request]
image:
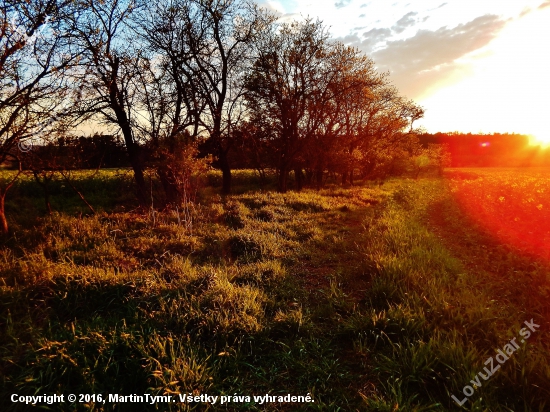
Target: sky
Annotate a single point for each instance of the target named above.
(475, 66)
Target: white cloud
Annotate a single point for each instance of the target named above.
(406, 21)
(342, 3)
(424, 61)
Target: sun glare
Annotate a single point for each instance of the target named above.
(501, 94)
(540, 139)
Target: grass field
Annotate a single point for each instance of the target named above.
(369, 298)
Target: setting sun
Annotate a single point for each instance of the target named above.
(540, 139)
(496, 93)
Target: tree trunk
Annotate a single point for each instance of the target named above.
(368, 170)
(137, 167)
(226, 172)
(170, 188)
(319, 178)
(351, 176)
(261, 173)
(3, 220)
(134, 156)
(299, 178)
(3, 192)
(309, 176)
(283, 178)
(344, 178)
(133, 149)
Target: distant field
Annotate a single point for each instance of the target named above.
(368, 298)
(512, 204)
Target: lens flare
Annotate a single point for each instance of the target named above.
(511, 205)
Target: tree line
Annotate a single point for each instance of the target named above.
(489, 150)
(186, 83)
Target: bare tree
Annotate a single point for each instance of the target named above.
(108, 73)
(221, 35)
(168, 79)
(169, 93)
(35, 54)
